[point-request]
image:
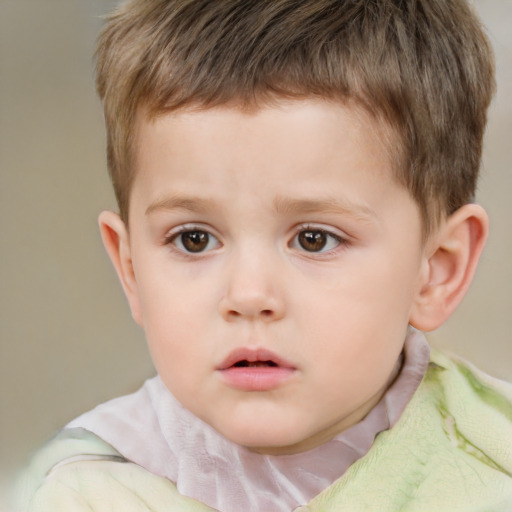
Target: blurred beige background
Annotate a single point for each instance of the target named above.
(67, 341)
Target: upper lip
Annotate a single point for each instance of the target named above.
(253, 355)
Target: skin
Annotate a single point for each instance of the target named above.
(255, 187)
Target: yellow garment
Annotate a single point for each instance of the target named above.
(450, 451)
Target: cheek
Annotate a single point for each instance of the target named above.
(168, 292)
(359, 322)
(364, 293)
(171, 321)
(386, 281)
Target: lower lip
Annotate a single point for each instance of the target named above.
(256, 378)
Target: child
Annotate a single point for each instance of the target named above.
(294, 179)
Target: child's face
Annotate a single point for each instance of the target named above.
(278, 235)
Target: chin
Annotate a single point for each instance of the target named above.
(264, 438)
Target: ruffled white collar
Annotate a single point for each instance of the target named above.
(151, 429)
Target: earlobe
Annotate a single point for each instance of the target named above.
(117, 244)
(451, 258)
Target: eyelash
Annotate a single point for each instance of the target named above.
(339, 240)
(171, 238)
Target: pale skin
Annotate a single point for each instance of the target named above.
(282, 229)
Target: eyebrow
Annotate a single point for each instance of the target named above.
(334, 205)
(191, 204)
(282, 205)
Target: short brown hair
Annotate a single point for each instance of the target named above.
(424, 66)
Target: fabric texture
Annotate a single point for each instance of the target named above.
(213, 470)
(450, 450)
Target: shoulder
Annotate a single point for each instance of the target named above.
(79, 472)
(451, 449)
(469, 378)
(100, 458)
(475, 408)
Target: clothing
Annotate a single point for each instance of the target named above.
(451, 449)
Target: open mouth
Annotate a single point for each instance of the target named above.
(257, 369)
(260, 358)
(253, 358)
(255, 364)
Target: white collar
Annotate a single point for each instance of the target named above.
(153, 430)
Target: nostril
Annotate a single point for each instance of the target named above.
(265, 313)
(235, 306)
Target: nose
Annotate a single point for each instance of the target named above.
(252, 289)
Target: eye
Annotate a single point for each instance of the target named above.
(194, 241)
(316, 240)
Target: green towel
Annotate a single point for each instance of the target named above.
(450, 451)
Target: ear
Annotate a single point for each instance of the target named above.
(451, 257)
(114, 234)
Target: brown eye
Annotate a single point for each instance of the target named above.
(194, 241)
(312, 241)
(316, 240)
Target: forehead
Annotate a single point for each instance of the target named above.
(307, 159)
(323, 124)
(300, 148)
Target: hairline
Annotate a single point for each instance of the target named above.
(393, 140)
